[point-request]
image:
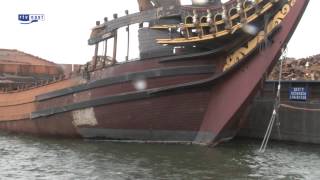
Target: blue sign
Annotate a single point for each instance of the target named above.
(30, 18)
(298, 93)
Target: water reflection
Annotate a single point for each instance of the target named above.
(24, 157)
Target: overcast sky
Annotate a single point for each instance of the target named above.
(63, 36)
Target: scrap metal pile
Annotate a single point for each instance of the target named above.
(298, 69)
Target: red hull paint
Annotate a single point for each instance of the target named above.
(183, 111)
(176, 112)
(59, 125)
(115, 89)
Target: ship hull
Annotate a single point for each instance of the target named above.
(182, 100)
(229, 99)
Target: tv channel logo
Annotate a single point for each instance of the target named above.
(30, 18)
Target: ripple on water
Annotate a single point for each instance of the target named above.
(24, 157)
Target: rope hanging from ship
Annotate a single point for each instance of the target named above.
(287, 106)
(276, 107)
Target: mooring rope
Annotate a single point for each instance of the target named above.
(299, 108)
(276, 107)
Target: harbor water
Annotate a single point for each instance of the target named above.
(26, 157)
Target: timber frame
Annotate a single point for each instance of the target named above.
(198, 26)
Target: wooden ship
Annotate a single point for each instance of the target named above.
(199, 67)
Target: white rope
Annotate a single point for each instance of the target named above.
(275, 108)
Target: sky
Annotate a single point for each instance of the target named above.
(62, 36)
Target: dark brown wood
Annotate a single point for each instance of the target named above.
(128, 42)
(115, 44)
(95, 57)
(105, 52)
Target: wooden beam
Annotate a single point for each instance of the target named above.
(115, 42)
(128, 37)
(135, 18)
(128, 43)
(105, 53)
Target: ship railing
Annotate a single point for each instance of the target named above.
(84, 70)
(98, 62)
(20, 86)
(106, 30)
(103, 61)
(199, 26)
